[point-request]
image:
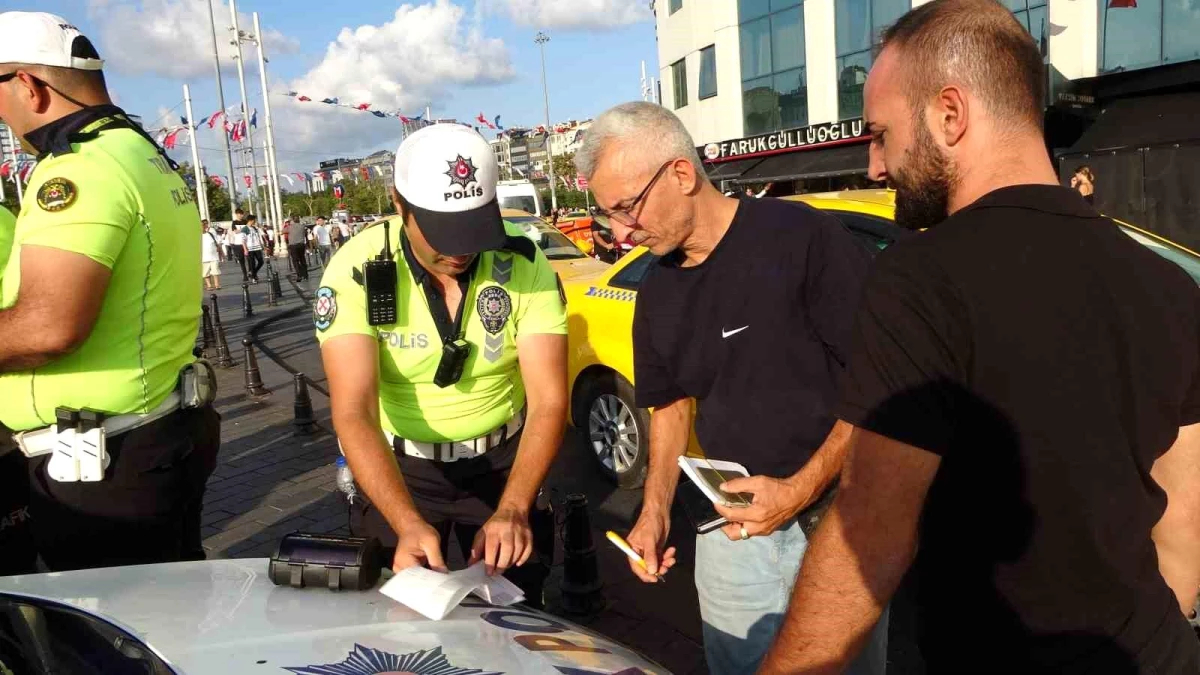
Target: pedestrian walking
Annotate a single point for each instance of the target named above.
(1024, 413)
(253, 238)
(297, 246)
(210, 258)
(237, 241)
(101, 315)
(758, 347)
(460, 433)
(324, 243)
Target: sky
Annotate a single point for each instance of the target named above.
(459, 57)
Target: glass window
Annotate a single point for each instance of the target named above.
(1181, 30)
(777, 5)
(756, 48)
(1015, 5)
(852, 75)
(1039, 26)
(852, 25)
(792, 90)
(674, 6)
(708, 72)
(752, 9)
(760, 107)
(884, 13)
(630, 277)
(787, 39)
(679, 83)
(1130, 37)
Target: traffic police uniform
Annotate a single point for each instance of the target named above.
(455, 445)
(102, 188)
(17, 555)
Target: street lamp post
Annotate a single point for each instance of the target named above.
(541, 39)
(232, 184)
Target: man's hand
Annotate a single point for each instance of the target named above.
(504, 540)
(776, 501)
(419, 544)
(647, 539)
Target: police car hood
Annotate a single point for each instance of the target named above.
(225, 617)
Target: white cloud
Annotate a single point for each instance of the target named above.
(420, 56)
(414, 58)
(173, 38)
(572, 13)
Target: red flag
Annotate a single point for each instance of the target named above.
(303, 98)
(217, 181)
(5, 168)
(249, 180)
(1122, 4)
(169, 141)
(212, 121)
(403, 119)
(363, 106)
(338, 192)
(366, 173)
(484, 121)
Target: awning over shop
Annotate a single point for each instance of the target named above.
(1140, 122)
(730, 170)
(837, 161)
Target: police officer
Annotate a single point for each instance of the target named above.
(436, 451)
(99, 310)
(15, 537)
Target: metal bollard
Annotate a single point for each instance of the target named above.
(275, 286)
(208, 338)
(302, 409)
(253, 379)
(224, 358)
(247, 309)
(216, 313)
(272, 299)
(582, 590)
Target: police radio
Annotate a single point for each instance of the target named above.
(379, 280)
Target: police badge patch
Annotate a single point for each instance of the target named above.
(494, 306)
(56, 194)
(325, 308)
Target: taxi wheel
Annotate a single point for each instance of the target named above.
(618, 432)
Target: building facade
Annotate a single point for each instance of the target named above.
(772, 91)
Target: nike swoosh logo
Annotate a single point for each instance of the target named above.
(725, 333)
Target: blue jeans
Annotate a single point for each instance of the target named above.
(744, 588)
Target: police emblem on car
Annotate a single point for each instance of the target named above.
(325, 308)
(494, 306)
(57, 194)
(370, 661)
(462, 173)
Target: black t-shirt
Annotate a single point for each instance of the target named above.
(757, 333)
(1048, 359)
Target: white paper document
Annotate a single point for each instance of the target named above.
(434, 594)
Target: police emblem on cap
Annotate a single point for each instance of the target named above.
(462, 171)
(494, 306)
(325, 308)
(57, 194)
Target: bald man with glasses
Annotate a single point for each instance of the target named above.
(746, 312)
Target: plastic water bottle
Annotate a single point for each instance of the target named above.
(345, 480)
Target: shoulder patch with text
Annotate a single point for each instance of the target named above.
(494, 306)
(57, 194)
(325, 308)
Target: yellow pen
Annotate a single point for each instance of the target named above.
(620, 543)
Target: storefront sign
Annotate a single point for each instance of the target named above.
(815, 135)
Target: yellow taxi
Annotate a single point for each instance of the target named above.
(600, 323)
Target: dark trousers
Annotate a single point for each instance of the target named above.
(459, 497)
(256, 263)
(17, 553)
(240, 256)
(299, 262)
(147, 508)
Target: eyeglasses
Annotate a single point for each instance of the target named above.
(8, 76)
(626, 215)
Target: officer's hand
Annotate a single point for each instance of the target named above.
(775, 502)
(419, 544)
(647, 539)
(503, 541)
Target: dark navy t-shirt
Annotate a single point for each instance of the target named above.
(757, 333)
